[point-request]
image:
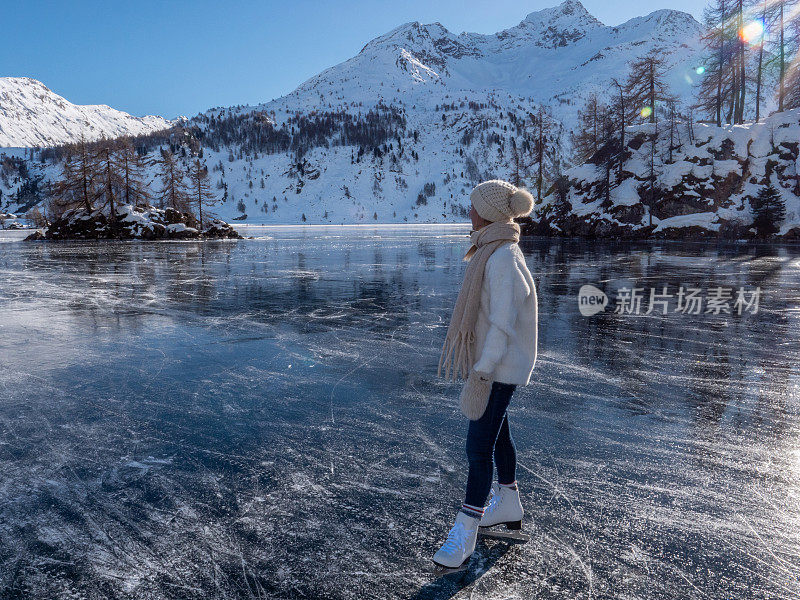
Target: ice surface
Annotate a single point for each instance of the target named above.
(261, 419)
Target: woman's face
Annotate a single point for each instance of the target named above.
(477, 220)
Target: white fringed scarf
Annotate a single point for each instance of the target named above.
(459, 345)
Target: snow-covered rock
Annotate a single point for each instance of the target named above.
(31, 115)
(132, 222)
(706, 189)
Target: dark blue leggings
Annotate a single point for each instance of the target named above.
(486, 436)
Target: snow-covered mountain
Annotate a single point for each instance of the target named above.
(461, 97)
(31, 115)
(555, 57)
(403, 130)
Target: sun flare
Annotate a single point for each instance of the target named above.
(752, 33)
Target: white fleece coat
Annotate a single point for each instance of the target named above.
(506, 330)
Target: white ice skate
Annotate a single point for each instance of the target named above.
(505, 509)
(459, 546)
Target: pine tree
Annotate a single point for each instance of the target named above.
(740, 78)
(786, 19)
(131, 167)
(76, 187)
(109, 178)
(716, 84)
(607, 153)
(66, 192)
(587, 140)
(174, 193)
(792, 87)
(619, 113)
(556, 157)
(541, 146)
(201, 192)
(769, 210)
(653, 174)
(674, 134)
(37, 217)
(763, 7)
(646, 86)
(791, 78)
(517, 165)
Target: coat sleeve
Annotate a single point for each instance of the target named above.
(507, 292)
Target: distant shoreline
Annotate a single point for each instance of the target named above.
(277, 225)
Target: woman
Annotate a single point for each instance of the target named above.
(491, 342)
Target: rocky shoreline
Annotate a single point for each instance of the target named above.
(600, 229)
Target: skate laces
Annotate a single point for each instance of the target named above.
(456, 539)
(494, 499)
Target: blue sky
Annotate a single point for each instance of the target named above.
(173, 58)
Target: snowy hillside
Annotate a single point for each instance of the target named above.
(707, 187)
(33, 116)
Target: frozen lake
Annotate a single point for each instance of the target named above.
(261, 419)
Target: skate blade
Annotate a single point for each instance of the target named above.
(440, 570)
(504, 534)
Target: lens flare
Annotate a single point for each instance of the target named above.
(752, 32)
(646, 112)
(700, 70)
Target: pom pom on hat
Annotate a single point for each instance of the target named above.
(521, 202)
(498, 200)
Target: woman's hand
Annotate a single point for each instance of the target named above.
(475, 394)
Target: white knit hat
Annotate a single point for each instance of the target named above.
(498, 200)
